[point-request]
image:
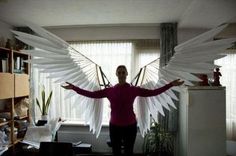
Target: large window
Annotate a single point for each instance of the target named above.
(228, 79)
(107, 54)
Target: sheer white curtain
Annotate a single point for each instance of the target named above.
(145, 51)
(228, 79)
(107, 54)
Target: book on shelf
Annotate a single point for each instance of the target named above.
(22, 65)
(17, 63)
(19, 66)
(4, 65)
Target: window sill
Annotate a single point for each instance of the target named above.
(80, 123)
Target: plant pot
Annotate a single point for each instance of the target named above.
(44, 117)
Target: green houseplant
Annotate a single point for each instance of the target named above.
(44, 106)
(158, 142)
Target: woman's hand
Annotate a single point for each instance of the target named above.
(177, 82)
(69, 86)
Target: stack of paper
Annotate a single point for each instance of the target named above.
(36, 134)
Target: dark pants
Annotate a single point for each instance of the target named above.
(123, 135)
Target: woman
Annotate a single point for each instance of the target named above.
(123, 123)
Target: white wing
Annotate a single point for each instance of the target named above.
(191, 57)
(55, 56)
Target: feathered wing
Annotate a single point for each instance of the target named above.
(55, 56)
(195, 56)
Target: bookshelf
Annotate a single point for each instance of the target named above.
(14, 82)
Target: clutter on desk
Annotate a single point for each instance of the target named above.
(36, 134)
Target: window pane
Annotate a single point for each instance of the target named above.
(108, 55)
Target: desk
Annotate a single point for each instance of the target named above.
(82, 148)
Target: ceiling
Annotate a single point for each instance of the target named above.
(188, 13)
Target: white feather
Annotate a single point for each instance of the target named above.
(41, 46)
(37, 39)
(47, 35)
(168, 75)
(46, 54)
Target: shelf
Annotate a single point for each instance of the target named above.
(14, 86)
(5, 110)
(20, 97)
(9, 145)
(5, 73)
(20, 64)
(4, 123)
(18, 53)
(18, 140)
(15, 142)
(22, 117)
(5, 57)
(2, 49)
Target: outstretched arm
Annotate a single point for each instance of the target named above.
(148, 92)
(91, 94)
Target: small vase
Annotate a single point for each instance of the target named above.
(44, 117)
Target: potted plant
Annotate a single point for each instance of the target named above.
(44, 106)
(158, 142)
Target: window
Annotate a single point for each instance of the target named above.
(107, 54)
(228, 79)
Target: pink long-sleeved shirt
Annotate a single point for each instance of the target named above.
(121, 98)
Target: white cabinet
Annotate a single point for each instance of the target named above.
(202, 122)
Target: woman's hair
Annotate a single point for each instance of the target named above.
(121, 66)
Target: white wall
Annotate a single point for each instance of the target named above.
(5, 30)
(106, 32)
(118, 33)
(185, 34)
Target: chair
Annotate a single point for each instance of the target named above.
(55, 149)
